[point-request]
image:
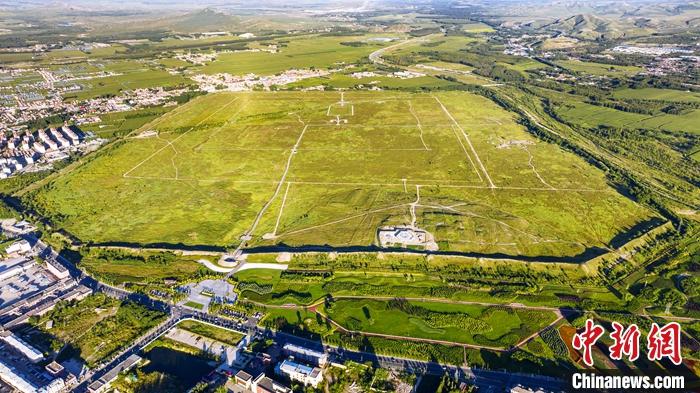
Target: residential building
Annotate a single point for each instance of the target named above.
(244, 379)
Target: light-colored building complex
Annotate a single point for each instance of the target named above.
(25, 349)
(19, 382)
(300, 372)
(308, 355)
(104, 383)
(245, 383)
(19, 247)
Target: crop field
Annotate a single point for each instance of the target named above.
(469, 324)
(304, 168)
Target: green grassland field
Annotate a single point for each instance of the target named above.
(330, 168)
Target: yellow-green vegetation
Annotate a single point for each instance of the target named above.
(477, 28)
(346, 81)
(657, 94)
(215, 333)
(121, 123)
(469, 324)
(593, 116)
(96, 327)
(118, 266)
(461, 164)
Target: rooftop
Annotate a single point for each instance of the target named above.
(242, 375)
(303, 350)
(289, 367)
(27, 350)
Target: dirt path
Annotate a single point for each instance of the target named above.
(466, 153)
(292, 153)
(534, 170)
(420, 127)
(466, 137)
(126, 174)
(279, 216)
(413, 207)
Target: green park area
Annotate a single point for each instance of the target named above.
(493, 326)
(92, 329)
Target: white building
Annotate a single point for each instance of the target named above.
(299, 372)
(57, 269)
(11, 376)
(14, 267)
(263, 384)
(27, 350)
(305, 354)
(19, 247)
(70, 134)
(10, 272)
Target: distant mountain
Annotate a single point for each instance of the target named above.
(586, 26)
(204, 20)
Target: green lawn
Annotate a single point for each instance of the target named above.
(195, 305)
